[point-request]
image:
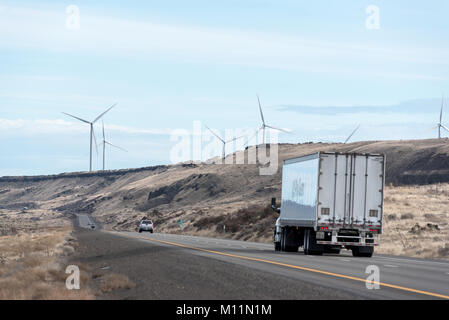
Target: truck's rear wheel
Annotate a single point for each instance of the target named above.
(363, 252)
(277, 246)
(307, 244)
(283, 239)
(310, 243)
(288, 241)
(306, 241)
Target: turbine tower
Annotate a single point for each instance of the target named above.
(264, 125)
(440, 124)
(104, 143)
(347, 139)
(223, 154)
(92, 134)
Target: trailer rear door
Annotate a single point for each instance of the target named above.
(375, 189)
(350, 190)
(334, 189)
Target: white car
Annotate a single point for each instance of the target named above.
(146, 225)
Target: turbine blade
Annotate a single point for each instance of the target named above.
(215, 134)
(441, 110)
(102, 122)
(235, 138)
(95, 139)
(76, 117)
(260, 109)
(279, 129)
(431, 129)
(347, 139)
(96, 119)
(115, 146)
(445, 128)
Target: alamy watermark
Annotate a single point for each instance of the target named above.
(73, 280)
(373, 279)
(203, 144)
(372, 21)
(72, 21)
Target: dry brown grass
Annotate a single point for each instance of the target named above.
(115, 281)
(407, 206)
(32, 266)
(253, 223)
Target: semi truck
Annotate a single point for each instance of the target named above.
(331, 201)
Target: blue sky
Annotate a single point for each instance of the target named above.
(317, 68)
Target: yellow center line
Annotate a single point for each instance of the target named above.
(300, 268)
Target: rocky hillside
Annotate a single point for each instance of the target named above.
(209, 198)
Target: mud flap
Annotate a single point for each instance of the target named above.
(363, 251)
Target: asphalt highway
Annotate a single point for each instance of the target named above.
(399, 277)
(85, 221)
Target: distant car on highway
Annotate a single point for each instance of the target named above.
(146, 225)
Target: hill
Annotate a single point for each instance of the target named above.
(226, 199)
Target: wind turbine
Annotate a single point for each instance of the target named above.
(223, 154)
(104, 143)
(347, 139)
(92, 134)
(264, 125)
(440, 124)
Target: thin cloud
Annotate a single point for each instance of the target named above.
(45, 30)
(419, 106)
(20, 127)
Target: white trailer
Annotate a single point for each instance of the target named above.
(331, 201)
